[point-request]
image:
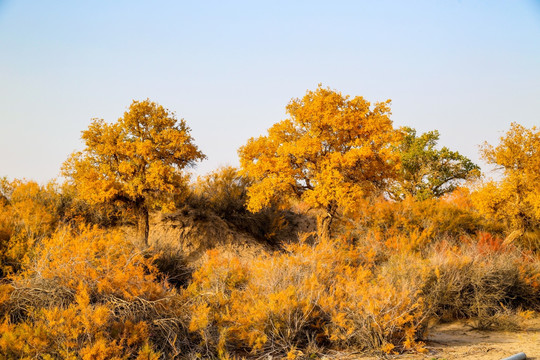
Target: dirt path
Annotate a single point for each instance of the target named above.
(459, 341)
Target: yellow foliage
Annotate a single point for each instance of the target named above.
(215, 281)
(28, 213)
(146, 353)
(303, 298)
(91, 271)
(78, 331)
(331, 152)
(515, 199)
(103, 261)
(137, 161)
(413, 225)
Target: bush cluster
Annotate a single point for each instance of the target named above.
(88, 293)
(76, 287)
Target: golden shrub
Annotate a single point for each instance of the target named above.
(65, 305)
(413, 225)
(480, 280)
(28, 213)
(79, 331)
(104, 261)
(308, 298)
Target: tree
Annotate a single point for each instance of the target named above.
(427, 172)
(137, 161)
(331, 152)
(515, 199)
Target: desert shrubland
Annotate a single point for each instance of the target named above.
(360, 245)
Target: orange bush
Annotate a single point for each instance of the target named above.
(104, 261)
(28, 213)
(412, 225)
(79, 331)
(75, 298)
(311, 297)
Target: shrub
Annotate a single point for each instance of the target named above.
(171, 264)
(87, 294)
(224, 193)
(480, 281)
(74, 210)
(104, 261)
(304, 300)
(79, 330)
(28, 213)
(412, 225)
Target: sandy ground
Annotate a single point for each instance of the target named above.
(459, 341)
(456, 341)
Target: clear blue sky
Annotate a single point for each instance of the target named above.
(466, 68)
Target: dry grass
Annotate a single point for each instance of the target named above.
(485, 287)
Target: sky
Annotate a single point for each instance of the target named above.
(229, 68)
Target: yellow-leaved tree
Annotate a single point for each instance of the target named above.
(137, 161)
(515, 199)
(331, 152)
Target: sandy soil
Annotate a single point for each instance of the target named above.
(459, 341)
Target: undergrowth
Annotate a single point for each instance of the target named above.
(76, 291)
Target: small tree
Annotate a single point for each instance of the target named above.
(137, 161)
(515, 199)
(427, 172)
(331, 152)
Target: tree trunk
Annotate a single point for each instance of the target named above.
(324, 223)
(513, 236)
(143, 226)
